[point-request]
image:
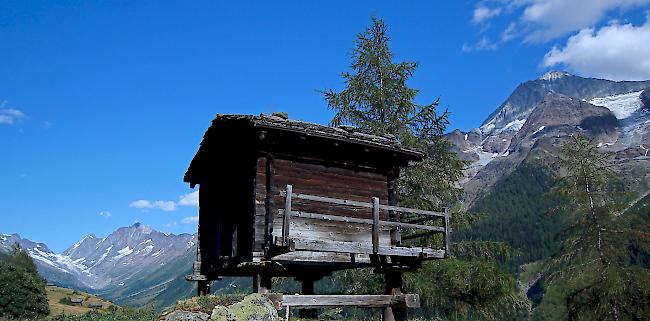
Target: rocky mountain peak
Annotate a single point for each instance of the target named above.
(553, 75)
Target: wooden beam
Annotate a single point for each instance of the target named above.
(287, 215)
(333, 301)
(364, 204)
(269, 201)
(375, 225)
(447, 239)
(331, 200)
(365, 248)
(393, 200)
(413, 226)
(346, 219)
(411, 210)
(262, 283)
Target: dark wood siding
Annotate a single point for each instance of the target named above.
(321, 180)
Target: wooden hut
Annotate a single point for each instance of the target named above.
(281, 197)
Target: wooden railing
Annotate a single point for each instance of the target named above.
(375, 222)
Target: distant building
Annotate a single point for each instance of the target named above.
(78, 301)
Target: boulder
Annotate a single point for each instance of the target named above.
(221, 313)
(254, 307)
(186, 316)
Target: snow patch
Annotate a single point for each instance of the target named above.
(552, 75)
(104, 255)
(539, 130)
(622, 106)
(156, 254)
(514, 125)
(146, 250)
(465, 136)
(122, 253)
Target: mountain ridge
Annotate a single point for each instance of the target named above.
(539, 114)
(116, 265)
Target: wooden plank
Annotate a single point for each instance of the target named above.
(364, 204)
(375, 225)
(359, 301)
(393, 200)
(414, 226)
(323, 257)
(331, 200)
(365, 248)
(447, 240)
(316, 229)
(411, 210)
(345, 219)
(287, 218)
(332, 218)
(269, 201)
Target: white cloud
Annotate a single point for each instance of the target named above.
(615, 51)
(482, 13)
(190, 199)
(556, 18)
(483, 44)
(544, 20)
(8, 116)
(190, 219)
(105, 214)
(166, 206)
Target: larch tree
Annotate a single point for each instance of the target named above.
(592, 266)
(377, 100)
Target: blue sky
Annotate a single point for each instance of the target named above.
(103, 103)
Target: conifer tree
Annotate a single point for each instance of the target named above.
(592, 266)
(22, 290)
(377, 100)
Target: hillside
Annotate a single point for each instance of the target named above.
(540, 113)
(60, 301)
(133, 266)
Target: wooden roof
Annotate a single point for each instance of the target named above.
(279, 122)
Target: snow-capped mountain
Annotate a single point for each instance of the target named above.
(529, 94)
(114, 265)
(539, 113)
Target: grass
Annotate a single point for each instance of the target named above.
(59, 303)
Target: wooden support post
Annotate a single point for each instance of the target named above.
(394, 287)
(307, 288)
(269, 201)
(203, 287)
(287, 216)
(262, 284)
(447, 240)
(393, 200)
(375, 225)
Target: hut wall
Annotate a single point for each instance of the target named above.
(320, 180)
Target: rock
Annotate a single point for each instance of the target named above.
(187, 316)
(221, 313)
(254, 307)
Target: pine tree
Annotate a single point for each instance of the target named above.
(377, 100)
(592, 268)
(22, 290)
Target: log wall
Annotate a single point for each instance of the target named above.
(321, 180)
